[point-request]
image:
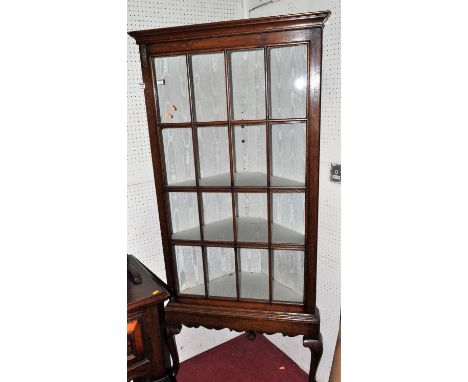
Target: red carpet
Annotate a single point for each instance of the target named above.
(242, 360)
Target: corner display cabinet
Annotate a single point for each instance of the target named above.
(234, 122)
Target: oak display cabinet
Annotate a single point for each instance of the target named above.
(233, 113)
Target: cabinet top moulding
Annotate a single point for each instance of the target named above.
(232, 28)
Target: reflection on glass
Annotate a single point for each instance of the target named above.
(288, 280)
(288, 217)
(217, 212)
(172, 89)
(253, 275)
(178, 155)
(209, 86)
(221, 272)
(189, 263)
(252, 221)
(288, 154)
(213, 148)
(248, 84)
(250, 155)
(184, 215)
(288, 81)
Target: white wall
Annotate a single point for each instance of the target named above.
(328, 273)
(144, 239)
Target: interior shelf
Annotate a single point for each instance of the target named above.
(281, 234)
(283, 293)
(224, 286)
(277, 181)
(256, 230)
(252, 229)
(259, 179)
(223, 180)
(248, 230)
(188, 234)
(220, 230)
(241, 179)
(253, 285)
(249, 179)
(197, 290)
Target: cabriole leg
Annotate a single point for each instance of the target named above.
(172, 331)
(316, 350)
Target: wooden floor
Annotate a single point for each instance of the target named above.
(241, 360)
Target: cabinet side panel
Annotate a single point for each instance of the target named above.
(312, 168)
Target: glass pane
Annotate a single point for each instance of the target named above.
(288, 154)
(221, 272)
(288, 279)
(253, 276)
(178, 155)
(288, 81)
(250, 155)
(248, 84)
(172, 89)
(252, 222)
(217, 212)
(184, 215)
(213, 147)
(209, 86)
(190, 270)
(288, 218)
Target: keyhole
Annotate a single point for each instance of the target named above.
(243, 141)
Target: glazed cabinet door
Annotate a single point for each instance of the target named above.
(233, 128)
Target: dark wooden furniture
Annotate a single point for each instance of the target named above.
(148, 356)
(233, 113)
